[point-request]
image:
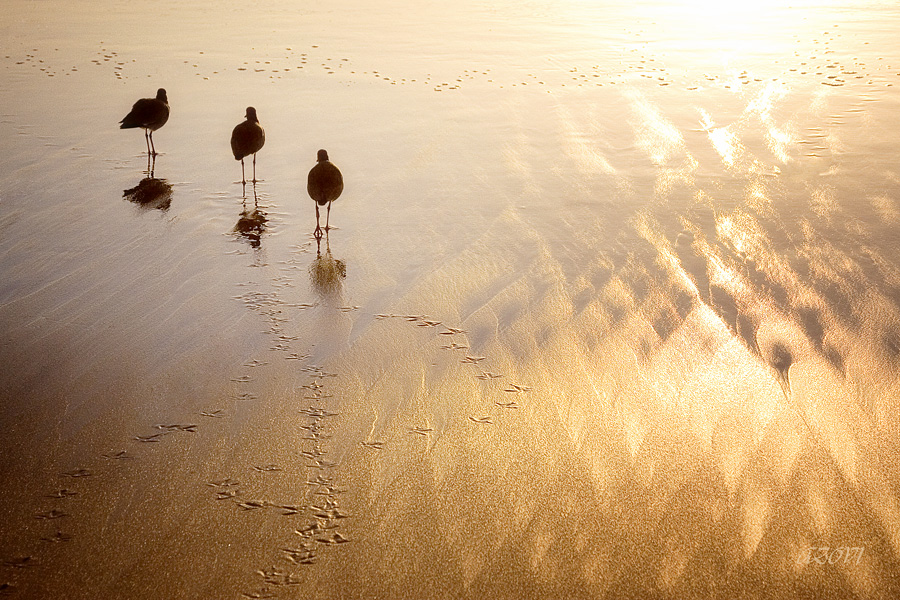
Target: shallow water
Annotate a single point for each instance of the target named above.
(611, 307)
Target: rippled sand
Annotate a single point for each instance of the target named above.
(611, 308)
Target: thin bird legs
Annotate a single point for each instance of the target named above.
(148, 137)
(243, 177)
(244, 184)
(318, 232)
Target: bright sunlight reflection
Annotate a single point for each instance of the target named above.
(714, 18)
(608, 308)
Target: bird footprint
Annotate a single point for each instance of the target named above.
(482, 420)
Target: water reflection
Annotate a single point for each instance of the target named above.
(672, 300)
(252, 223)
(150, 192)
(326, 273)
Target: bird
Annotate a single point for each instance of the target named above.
(246, 139)
(149, 114)
(324, 184)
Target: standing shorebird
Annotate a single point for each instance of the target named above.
(325, 184)
(246, 139)
(149, 114)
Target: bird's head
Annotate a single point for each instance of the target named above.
(322, 156)
(161, 95)
(251, 115)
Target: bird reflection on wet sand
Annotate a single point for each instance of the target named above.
(150, 192)
(607, 335)
(252, 223)
(326, 273)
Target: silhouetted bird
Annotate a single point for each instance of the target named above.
(246, 139)
(149, 114)
(325, 184)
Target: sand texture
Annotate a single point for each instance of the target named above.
(609, 308)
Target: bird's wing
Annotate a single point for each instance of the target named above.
(147, 112)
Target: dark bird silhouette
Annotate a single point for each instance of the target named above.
(149, 114)
(246, 139)
(325, 184)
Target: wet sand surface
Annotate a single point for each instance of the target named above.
(610, 307)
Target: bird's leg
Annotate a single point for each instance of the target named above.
(243, 177)
(318, 232)
(151, 144)
(147, 141)
(254, 167)
(327, 217)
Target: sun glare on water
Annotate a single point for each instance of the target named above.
(717, 18)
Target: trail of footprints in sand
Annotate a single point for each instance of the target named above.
(320, 520)
(315, 524)
(454, 342)
(60, 506)
(315, 516)
(824, 57)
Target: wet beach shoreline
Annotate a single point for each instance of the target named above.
(610, 307)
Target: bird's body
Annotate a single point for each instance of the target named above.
(247, 138)
(324, 184)
(149, 114)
